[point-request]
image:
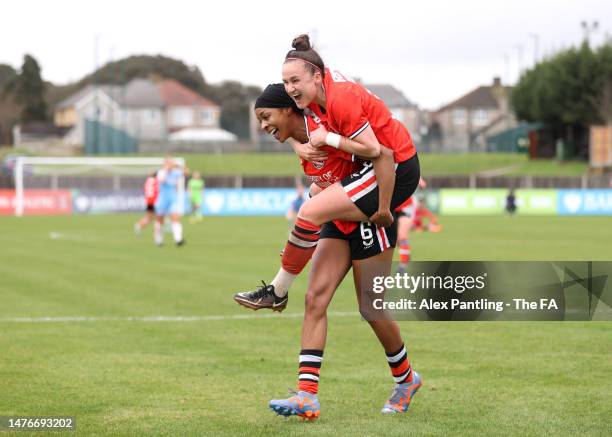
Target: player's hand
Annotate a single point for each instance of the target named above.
(318, 136)
(309, 153)
(382, 218)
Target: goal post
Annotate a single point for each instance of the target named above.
(58, 166)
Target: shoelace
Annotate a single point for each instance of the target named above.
(398, 395)
(261, 291)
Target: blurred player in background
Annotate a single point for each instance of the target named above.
(405, 216)
(295, 204)
(151, 190)
(168, 202)
(424, 219)
(511, 202)
(195, 188)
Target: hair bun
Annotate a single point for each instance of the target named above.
(301, 43)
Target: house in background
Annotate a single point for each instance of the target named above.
(402, 109)
(191, 117)
(145, 110)
(464, 124)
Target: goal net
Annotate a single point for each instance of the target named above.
(84, 174)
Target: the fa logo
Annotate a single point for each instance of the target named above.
(318, 164)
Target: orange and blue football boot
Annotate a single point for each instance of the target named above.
(402, 395)
(302, 404)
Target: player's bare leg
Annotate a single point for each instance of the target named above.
(404, 223)
(330, 264)
(177, 229)
(158, 233)
(387, 331)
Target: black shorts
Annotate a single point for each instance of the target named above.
(362, 187)
(366, 240)
(150, 207)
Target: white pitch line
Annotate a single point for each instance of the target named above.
(78, 319)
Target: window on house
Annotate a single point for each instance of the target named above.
(206, 117)
(151, 116)
(182, 117)
(480, 117)
(459, 116)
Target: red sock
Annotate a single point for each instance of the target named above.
(300, 247)
(404, 251)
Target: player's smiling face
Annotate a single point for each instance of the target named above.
(300, 83)
(275, 121)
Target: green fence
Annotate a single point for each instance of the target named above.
(102, 139)
(514, 140)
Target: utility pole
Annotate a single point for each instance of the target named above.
(536, 47)
(507, 68)
(519, 49)
(96, 135)
(588, 29)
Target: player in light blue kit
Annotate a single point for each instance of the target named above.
(168, 202)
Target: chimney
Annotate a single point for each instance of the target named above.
(496, 81)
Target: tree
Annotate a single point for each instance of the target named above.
(29, 91)
(8, 108)
(566, 89)
(144, 66)
(235, 99)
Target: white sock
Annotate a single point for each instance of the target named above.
(158, 235)
(282, 281)
(177, 231)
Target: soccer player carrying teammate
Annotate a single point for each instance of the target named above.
(352, 120)
(168, 202)
(151, 190)
(362, 246)
(195, 187)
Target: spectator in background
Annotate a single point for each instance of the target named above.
(511, 202)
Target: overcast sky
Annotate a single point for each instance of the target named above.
(433, 51)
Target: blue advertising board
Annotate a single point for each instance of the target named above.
(584, 202)
(247, 201)
(99, 202)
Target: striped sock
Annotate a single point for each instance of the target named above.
(300, 247)
(400, 367)
(404, 251)
(310, 365)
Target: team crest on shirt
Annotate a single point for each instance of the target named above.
(311, 114)
(318, 164)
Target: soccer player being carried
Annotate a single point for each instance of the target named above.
(168, 201)
(195, 187)
(151, 190)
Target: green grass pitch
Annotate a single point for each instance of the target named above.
(215, 375)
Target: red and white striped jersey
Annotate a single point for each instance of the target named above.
(151, 189)
(350, 109)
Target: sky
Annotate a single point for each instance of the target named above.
(433, 51)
